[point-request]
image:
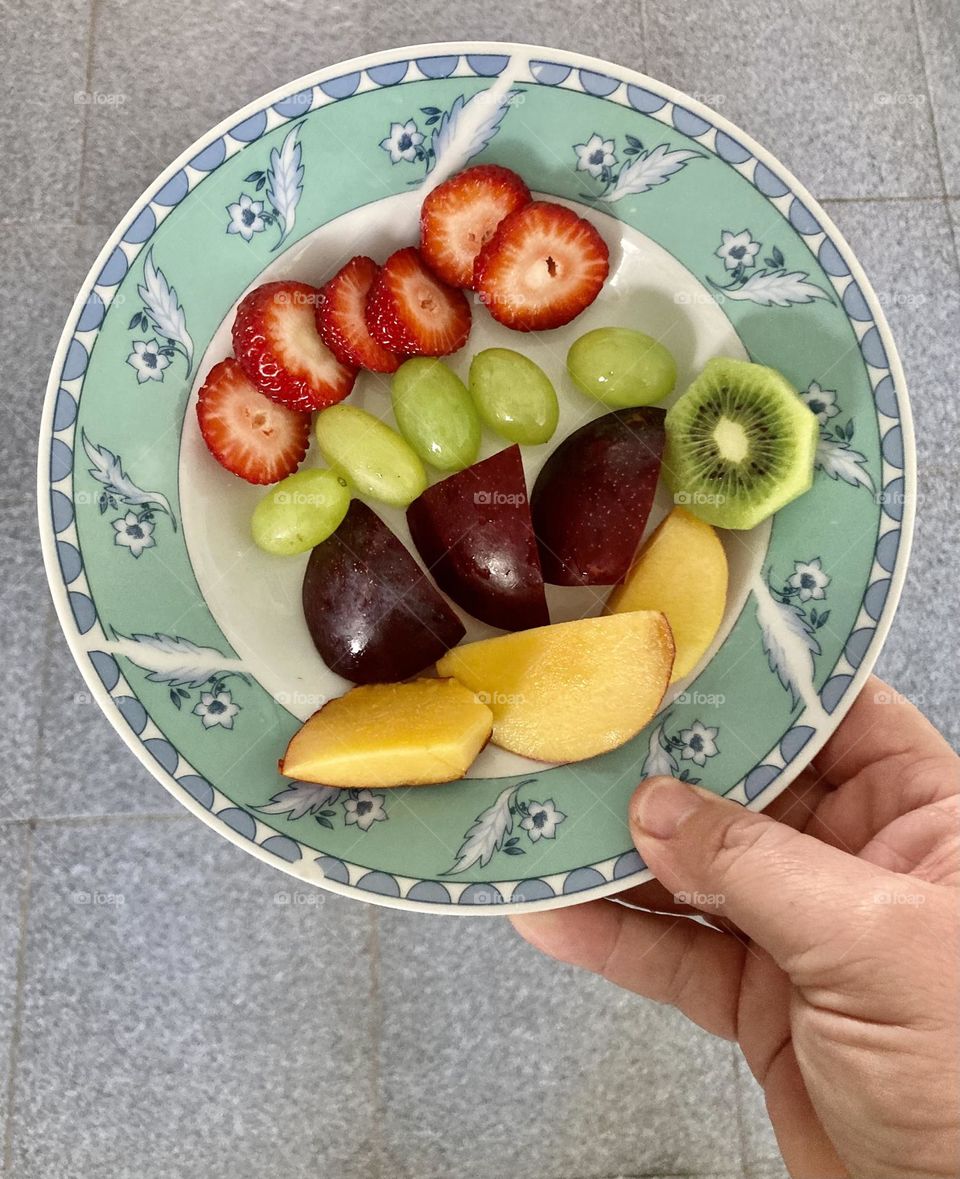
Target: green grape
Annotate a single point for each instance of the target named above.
(514, 396)
(621, 367)
(435, 414)
(300, 511)
(370, 455)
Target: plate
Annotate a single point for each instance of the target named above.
(192, 641)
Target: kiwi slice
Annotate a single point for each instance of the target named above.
(740, 444)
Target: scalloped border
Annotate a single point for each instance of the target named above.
(483, 60)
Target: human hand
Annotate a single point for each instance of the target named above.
(834, 958)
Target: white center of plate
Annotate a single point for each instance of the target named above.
(255, 597)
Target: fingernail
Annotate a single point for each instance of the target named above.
(660, 804)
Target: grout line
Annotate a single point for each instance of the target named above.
(881, 200)
(73, 821)
(738, 1099)
(21, 976)
(376, 1044)
(934, 131)
(644, 41)
(92, 22)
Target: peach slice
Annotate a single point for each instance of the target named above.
(681, 570)
(381, 735)
(569, 691)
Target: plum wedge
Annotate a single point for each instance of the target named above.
(371, 611)
(591, 500)
(475, 535)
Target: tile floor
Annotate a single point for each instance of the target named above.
(143, 1031)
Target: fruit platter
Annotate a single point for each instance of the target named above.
(453, 438)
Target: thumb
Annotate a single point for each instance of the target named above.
(787, 891)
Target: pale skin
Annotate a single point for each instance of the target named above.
(835, 956)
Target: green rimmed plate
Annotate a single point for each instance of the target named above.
(192, 641)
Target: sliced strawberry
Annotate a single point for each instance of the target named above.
(541, 268)
(462, 214)
(246, 432)
(341, 322)
(275, 338)
(410, 311)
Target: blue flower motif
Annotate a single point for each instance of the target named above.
(737, 249)
(363, 810)
(402, 142)
(596, 156)
(541, 820)
(245, 217)
(216, 708)
(822, 402)
(698, 743)
(134, 533)
(809, 580)
(148, 361)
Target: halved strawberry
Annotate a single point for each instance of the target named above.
(461, 215)
(246, 432)
(541, 268)
(341, 322)
(410, 311)
(275, 338)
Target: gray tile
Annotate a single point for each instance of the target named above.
(261, 47)
(43, 49)
(41, 269)
(807, 83)
(179, 1021)
(907, 251)
(940, 38)
(85, 768)
(14, 840)
(495, 1059)
(762, 1159)
(25, 614)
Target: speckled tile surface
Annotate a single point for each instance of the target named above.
(201, 1026)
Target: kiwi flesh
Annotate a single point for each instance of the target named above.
(740, 444)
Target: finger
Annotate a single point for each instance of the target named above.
(795, 807)
(782, 888)
(669, 959)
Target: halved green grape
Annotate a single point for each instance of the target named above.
(300, 511)
(514, 396)
(435, 414)
(621, 367)
(370, 455)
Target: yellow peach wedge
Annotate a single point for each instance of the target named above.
(569, 691)
(382, 735)
(681, 570)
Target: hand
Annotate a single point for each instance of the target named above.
(834, 956)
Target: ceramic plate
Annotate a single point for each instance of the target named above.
(193, 641)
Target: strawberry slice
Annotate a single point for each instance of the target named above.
(275, 338)
(462, 214)
(412, 312)
(341, 322)
(541, 268)
(246, 432)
